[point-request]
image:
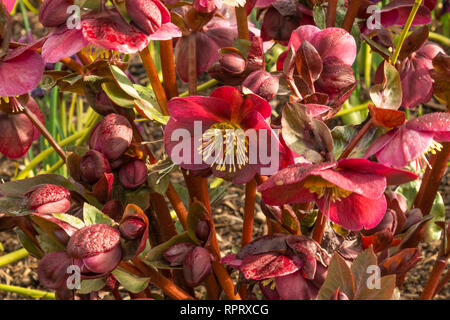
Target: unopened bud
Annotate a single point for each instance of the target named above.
(232, 62)
(133, 174)
(132, 228)
(147, 15)
(262, 83)
(176, 253)
(196, 266)
(93, 166)
(48, 198)
(53, 13)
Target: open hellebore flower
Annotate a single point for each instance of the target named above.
(95, 249)
(349, 191)
(107, 30)
(216, 34)
(330, 53)
(48, 198)
(226, 132)
(412, 141)
(111, 136)
(285, 267)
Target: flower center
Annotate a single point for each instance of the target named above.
(321, 187)
(422, 161)
(269, 283)
(94, 53)
(225, 146)
(10, 105)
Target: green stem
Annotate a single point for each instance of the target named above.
(352, 109)
(26, 23)
(28, 292)
(439, 37)
(405, 31)
(203, 86)
(13, 257)
(367, 66)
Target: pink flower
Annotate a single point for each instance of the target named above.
(411, 141)
(106, 29)
(417, 84)
(9, 4)
(226, 109)
(337, 51)
(285, 267)
(349, 191)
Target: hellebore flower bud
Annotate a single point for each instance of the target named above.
(202, 230)
(93, 166)
(52, 269)
(132, 228)
(196, 266)
(147, 15)
(232, 63)
(48, 198)
(111, 136)
(262, 83)
(412, 217)
(388, 222)
(113, 209)
(175, 254)
(133, 174)
(53, 13)
(95, 248)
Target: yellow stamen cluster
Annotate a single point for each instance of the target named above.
(95, 52)
(225, 146)
(422, 161)
(320, 186)
(269, 283)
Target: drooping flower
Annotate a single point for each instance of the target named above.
(285, 267)
(217, 132)
(334, 50)
(104, 30)
(349, 191)
(412, 141)
(417, 84)
(48, 198)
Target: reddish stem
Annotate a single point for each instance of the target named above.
(192, 64)
(442, 283)
(350, 16)
(356, 139)
(319, 227)
(249, 211)
(430, 287)
(168, 68)
(331, 13)
(242, 23)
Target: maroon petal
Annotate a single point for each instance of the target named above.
(267, 265)
(397, 12)
(432, 122)
(20, 74)
(196, 108)
(258, 104)
(381, 142)
(293, 287)
(232, 261)
(355, 211)
(166, 32)
(16, 135)
(233, 97)
(302, 33)
(63, 43)
(335, 42)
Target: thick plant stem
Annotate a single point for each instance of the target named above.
(13, 257)
(162, 282)
(242, 23)
(152, 74)
(168, 68)
(72, 64)
(42, 129)
(405, 31)
(429, 187)
(192, 64)
(350, 16)
(442, 283)
(356, 139)
(319, 227)
(249, 212)
(177, 205)
(159, 205)
(433, 281)
(331, 13)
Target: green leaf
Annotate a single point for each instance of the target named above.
(343, 134)
(154, 257)
(48, 242)
(433, 231)
(70, 219)
(158, 176)
(197, 212)
(147, 110)
(183, 193)
(130, 282)
(339, 277)
(360, 269)
(123, 81)
(139, 197)
(29, 245)
(91, 215)
(319, 15)
(117, 95)
(388, 95)
(91, 285)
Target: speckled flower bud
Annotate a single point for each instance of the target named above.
(48, 198)
(262, 83)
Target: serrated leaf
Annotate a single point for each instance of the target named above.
(130, 282)
(91, 215)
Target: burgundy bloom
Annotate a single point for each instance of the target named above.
(411, 141)
(105, 29)
(95, 249)
(417, 84)
(217, 34)
(336, 49)
(48, 198)
(285, 267)
(196, 266)
(93, 165)
(52, 270)
(349, 191)
(220, 123)
(133, 174)
(54, 12)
